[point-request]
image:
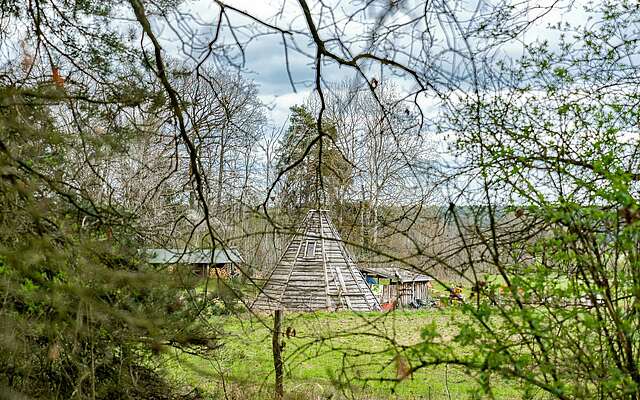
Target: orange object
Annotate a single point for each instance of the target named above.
(387, 306)
(58, 80)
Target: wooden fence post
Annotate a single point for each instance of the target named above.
(277, 353)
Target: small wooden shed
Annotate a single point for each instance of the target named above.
(219, 262)
(391, 284)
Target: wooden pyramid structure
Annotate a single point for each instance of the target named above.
(316, 272)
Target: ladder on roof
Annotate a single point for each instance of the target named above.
(342, 293)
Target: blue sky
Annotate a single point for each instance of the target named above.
(265, 57)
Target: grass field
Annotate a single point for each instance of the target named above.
(328, 350)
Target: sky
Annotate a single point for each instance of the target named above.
(265, 56)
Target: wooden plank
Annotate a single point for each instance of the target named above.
(293, 264)
(324, 264)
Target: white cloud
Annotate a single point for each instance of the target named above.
(265, 59)
(279, 105)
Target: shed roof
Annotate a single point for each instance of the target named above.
(397, 274)
(201, 256)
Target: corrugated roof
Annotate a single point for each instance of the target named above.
(202, 256)
(397, 274)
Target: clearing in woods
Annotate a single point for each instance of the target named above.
(325, 345)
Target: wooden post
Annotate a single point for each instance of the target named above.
(277, 353)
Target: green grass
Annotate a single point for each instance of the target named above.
(326, 345)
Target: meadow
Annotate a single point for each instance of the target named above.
(332, 355)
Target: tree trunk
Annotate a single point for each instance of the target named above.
(220, 170)
(277, 353)
(374, 222)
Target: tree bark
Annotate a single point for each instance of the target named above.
(277, 353)
(220, 169)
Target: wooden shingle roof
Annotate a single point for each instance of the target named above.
(316, 272)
